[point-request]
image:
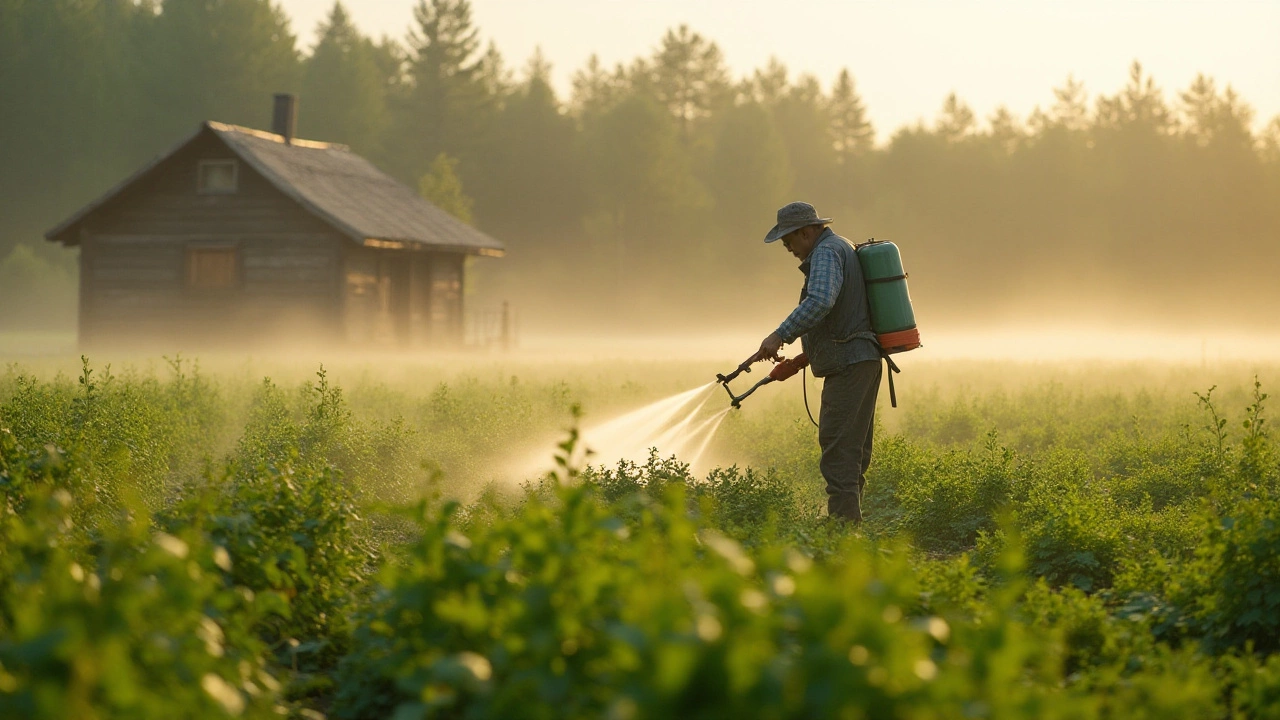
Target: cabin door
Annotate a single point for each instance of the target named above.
(404, 299)
(400, 279)
(375, 299)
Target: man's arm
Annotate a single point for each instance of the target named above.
(826, 277)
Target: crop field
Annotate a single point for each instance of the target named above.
(184, 538)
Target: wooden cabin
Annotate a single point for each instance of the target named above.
(239, 237)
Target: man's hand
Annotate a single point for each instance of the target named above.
(769, 348)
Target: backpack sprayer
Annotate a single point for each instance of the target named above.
(892, 320)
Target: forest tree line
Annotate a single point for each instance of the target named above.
(643, 195)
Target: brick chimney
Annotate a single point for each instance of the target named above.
(284, 119)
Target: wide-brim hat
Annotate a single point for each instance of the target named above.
(792, 217)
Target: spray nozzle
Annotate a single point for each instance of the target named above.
(744, 367)
(781, 371)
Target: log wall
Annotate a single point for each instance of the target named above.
(163, 264)
(135, 282)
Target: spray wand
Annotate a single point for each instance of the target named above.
(781, 371)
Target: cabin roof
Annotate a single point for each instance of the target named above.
(336, 185)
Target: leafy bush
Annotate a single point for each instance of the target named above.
(1092, 635)
(1254, 684)
(1155, 474)
(561, 610)
(951, 586)
(1072, 535)
(290, 535)
(374, 457)
(138, 625)
(1229, 592)
(118, 434)
(740, 500)
(1224, 592)
(1122, 564)
(946, 506)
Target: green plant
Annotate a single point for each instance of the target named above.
(137, 624)
(946, 506)
(1120, 567)
(291, 534)
(1230, 590)
(742, 501)
(1257, 455)
(561, 610)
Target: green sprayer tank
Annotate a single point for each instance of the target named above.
(892, 318)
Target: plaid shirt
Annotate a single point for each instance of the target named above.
(826, 277)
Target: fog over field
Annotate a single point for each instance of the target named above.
(632, 192)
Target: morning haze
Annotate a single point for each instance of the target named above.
(360, 362)
(1107, 166)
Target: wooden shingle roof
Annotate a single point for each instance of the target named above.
(336, 185)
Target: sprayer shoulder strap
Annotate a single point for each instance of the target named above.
(888, 359)
(893, 368)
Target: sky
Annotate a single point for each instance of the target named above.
(906, 56)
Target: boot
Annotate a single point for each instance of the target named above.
(845, 506)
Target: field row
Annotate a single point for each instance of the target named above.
(1041, 543)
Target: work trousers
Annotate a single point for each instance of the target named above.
(845, 424)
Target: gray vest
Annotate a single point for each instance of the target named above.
(844, 336)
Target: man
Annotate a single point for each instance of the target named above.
(834, 325)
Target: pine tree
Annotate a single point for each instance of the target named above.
(344, 90)
(532, 174)
(851, 132)
(1235, 117)
(446, 98)
(1006, 131)
(1199, 106)
(217, 61)
(690, 77)
(751, 173)
(1070, 111)
(769, 85)
(641, 181)
(391, 61)
(1140, 107)
(1271, 144)
(801, 116)
(595, 88)
(444, 45)
(1211, 118)
(70, 106)
(494, 76)
(956, 120)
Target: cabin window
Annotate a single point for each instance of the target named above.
(211, 268)
(217, 177)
